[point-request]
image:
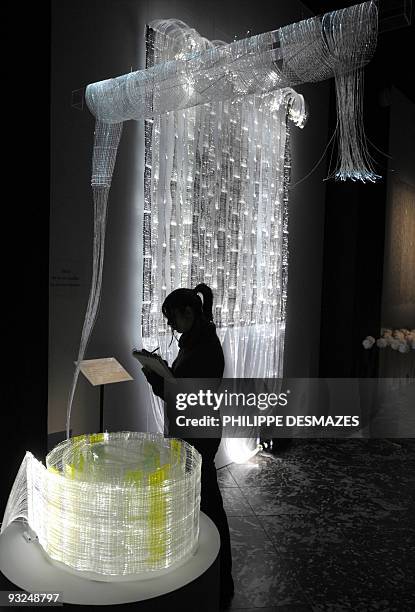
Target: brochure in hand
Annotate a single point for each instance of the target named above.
(154, 363)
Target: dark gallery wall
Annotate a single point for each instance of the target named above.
(25, 225)
(398, 289)
(25, 312)
(398, 298)
(356, 295)
(353, 257)
(90, 42)
(93, 40)
(306, 237)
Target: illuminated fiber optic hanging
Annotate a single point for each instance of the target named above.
(336, 45)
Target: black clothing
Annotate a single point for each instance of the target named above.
(211, 503)
(201, 356)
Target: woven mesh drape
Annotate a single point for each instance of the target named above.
(216, 211)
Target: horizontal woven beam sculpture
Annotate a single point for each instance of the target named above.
(312, 50)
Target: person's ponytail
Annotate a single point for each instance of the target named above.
(207, 295)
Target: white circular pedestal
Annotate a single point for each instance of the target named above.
(26, 565)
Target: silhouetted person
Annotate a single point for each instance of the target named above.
(200, 356)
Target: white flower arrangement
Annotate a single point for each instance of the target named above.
(402, 340)
(368, 342)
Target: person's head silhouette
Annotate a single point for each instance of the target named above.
(184, 307)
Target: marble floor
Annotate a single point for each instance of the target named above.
(326, 525)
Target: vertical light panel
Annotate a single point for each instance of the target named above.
(216, 211)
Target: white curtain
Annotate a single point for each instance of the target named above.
(216, 211)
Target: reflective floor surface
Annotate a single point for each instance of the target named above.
(325, 525)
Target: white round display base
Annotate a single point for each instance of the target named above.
(26, 565)
(128, 577)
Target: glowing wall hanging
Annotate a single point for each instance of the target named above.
(216, 211)
(113, 505)
(338, 45)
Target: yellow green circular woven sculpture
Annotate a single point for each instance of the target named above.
(112, 504)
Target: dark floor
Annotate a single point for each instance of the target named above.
(326, 525)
